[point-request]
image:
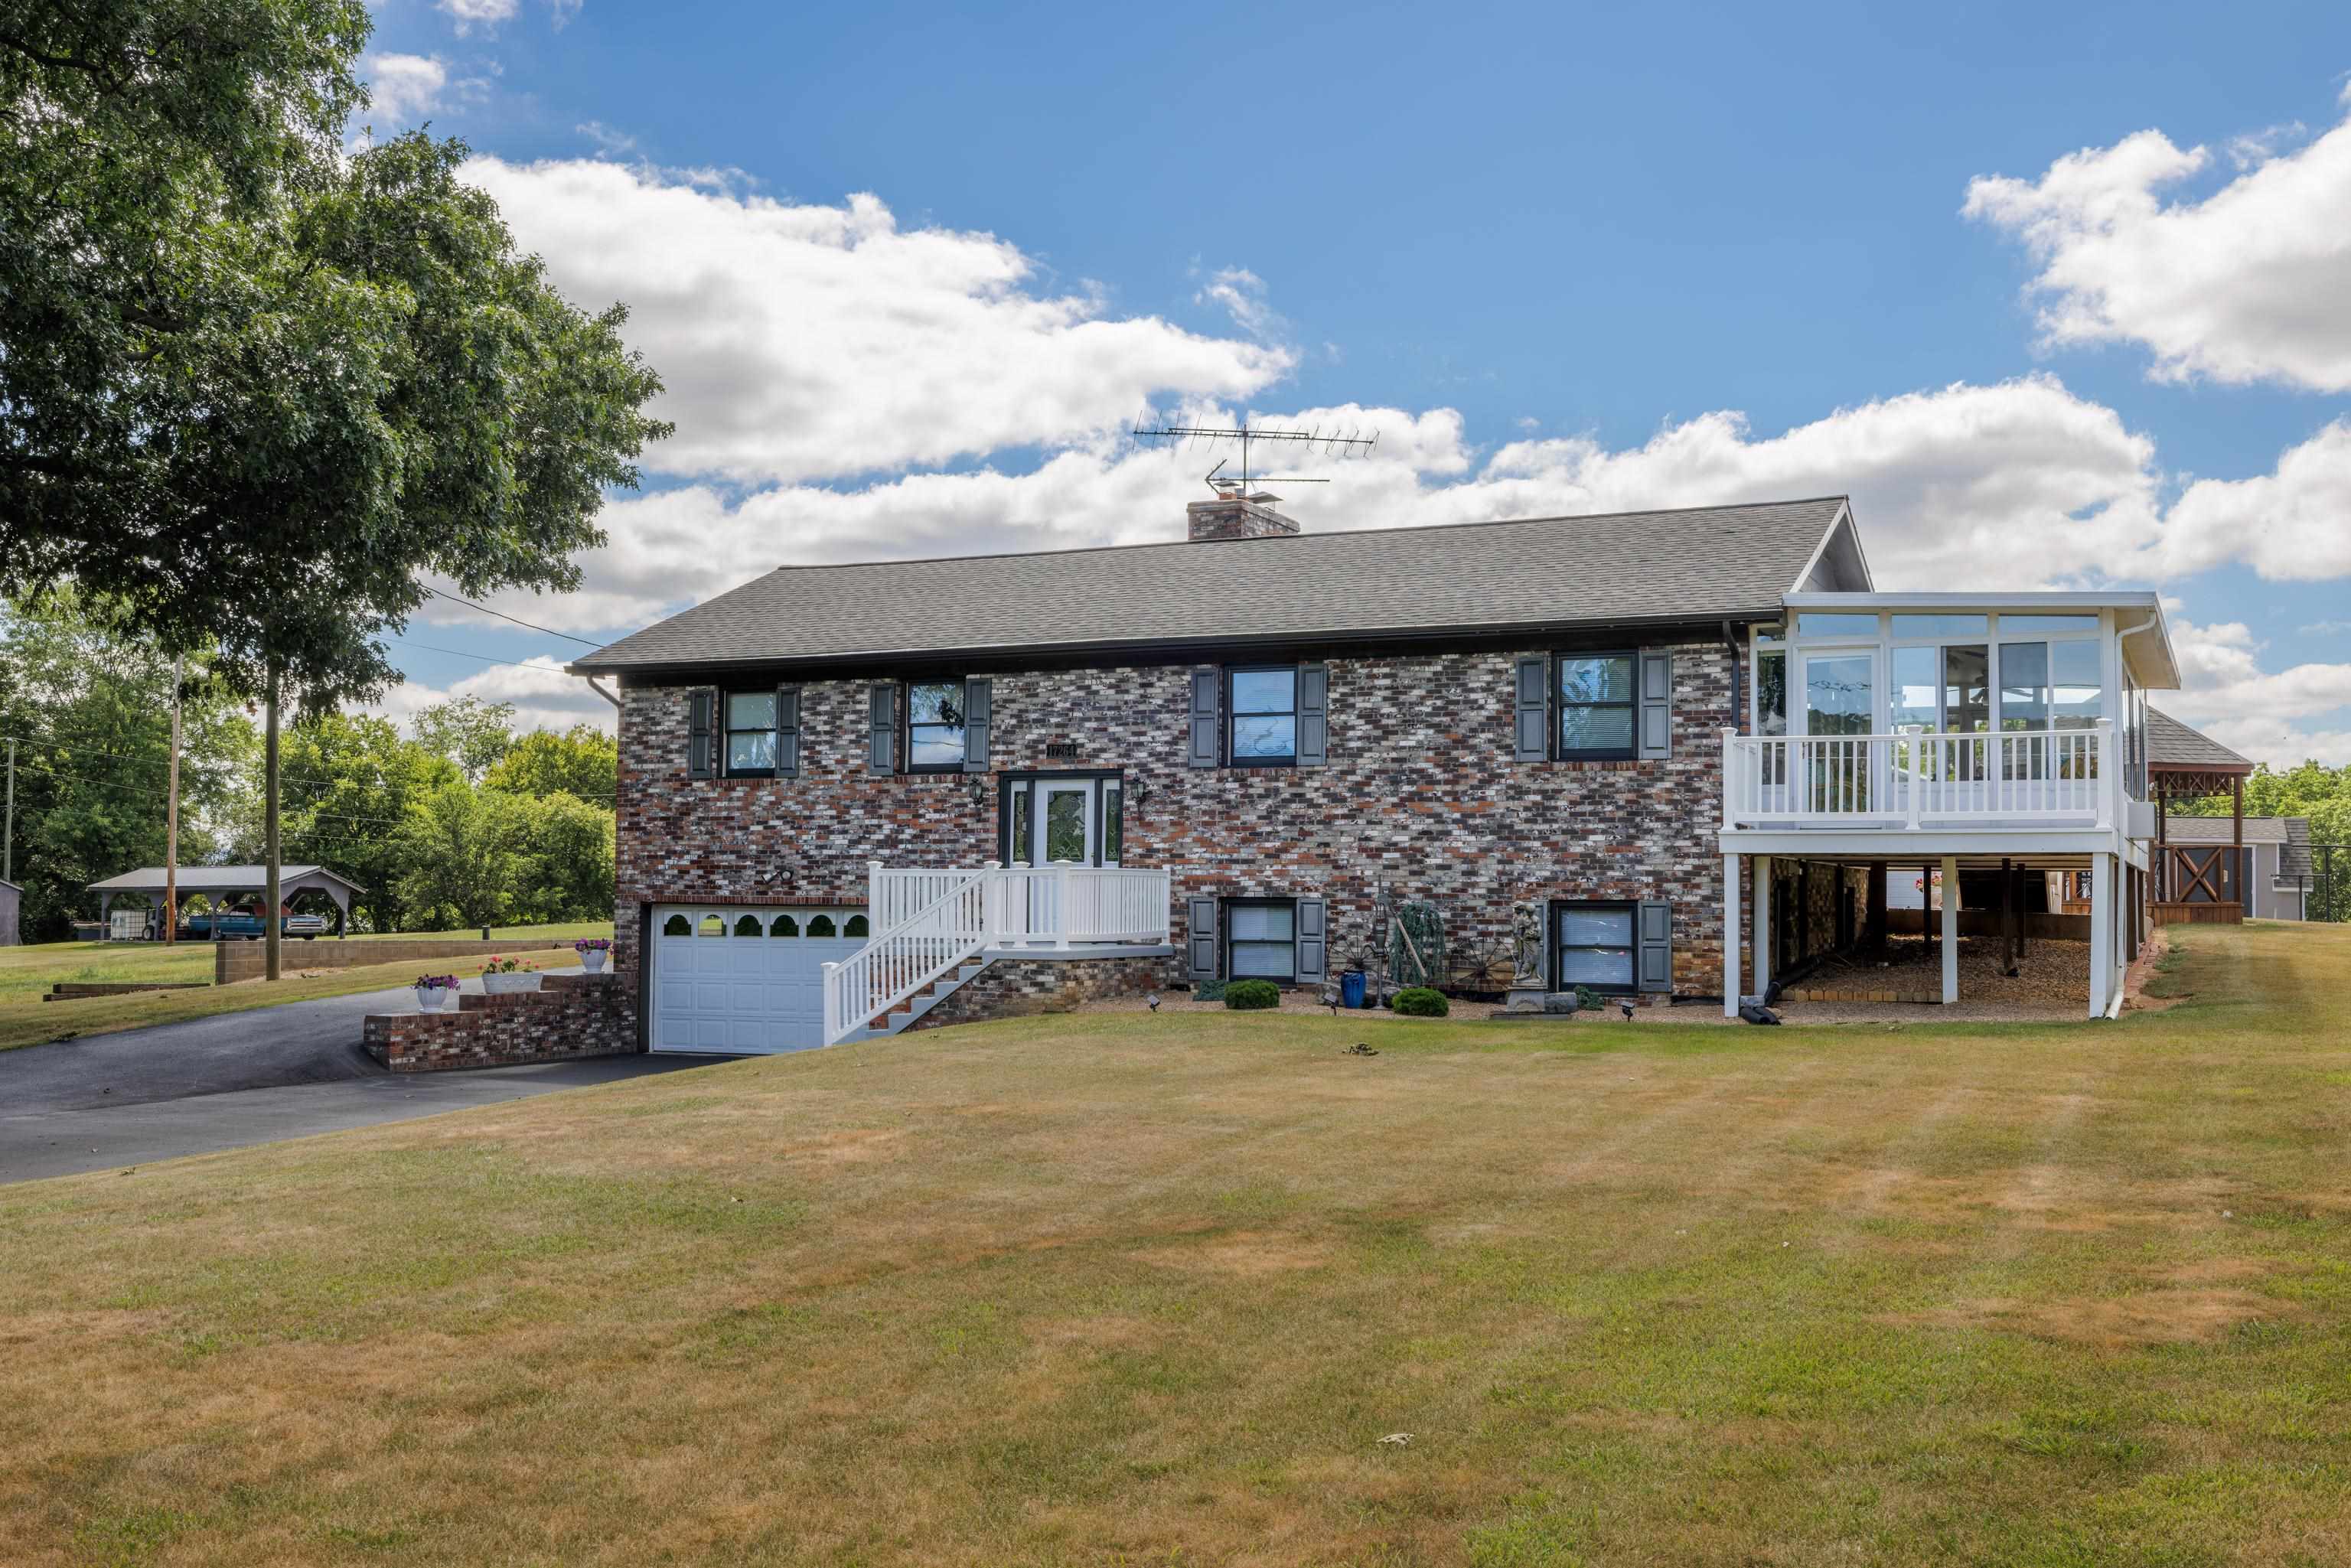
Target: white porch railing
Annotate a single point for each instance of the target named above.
(929, 922)
(1913, 779)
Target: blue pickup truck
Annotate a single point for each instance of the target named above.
(244, 925)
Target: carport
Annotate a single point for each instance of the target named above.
(223, 884)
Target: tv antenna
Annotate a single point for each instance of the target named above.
(1347, 443)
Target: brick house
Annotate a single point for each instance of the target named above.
(856, 799)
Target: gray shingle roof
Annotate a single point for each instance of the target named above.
(1698, 564)
(2295, 859)
(2216, 829)
(212, 878)
(2172, 744)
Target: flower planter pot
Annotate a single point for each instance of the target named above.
(594, 962)
(436, 1000)
(507, 985)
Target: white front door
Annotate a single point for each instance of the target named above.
(1063, 821)
(745, 981)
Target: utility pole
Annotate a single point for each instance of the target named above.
(270, 920)
(172, 819)
(8, 835)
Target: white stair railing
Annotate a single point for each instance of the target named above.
(929, 922)
(922, 948)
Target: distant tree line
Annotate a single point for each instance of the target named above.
(464, 821)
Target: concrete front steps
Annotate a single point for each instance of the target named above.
(899, 1019)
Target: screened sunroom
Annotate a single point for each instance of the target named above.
(1917, 710)
(1983, 736)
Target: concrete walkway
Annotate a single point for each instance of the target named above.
(243, 1077)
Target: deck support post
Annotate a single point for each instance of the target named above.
(2102, 933)
(1759, 928)
(1730, 936)
(1950, 929)
(2009, 920)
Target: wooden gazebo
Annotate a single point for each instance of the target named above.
(2198, 883)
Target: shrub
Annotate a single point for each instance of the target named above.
(1420, 1003)
(1209, 991)
(1586, 999)
(1248, 996)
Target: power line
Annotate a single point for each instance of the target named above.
(462, 654)
(515, 619)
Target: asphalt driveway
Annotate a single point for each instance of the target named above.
(251, 1077)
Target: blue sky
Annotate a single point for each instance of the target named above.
(905, 268)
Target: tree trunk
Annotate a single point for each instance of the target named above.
(172, 819)
(269, 921)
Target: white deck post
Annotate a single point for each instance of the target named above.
(1729, 934)
(1950, 929)
(1760, 927)
(2102, 933)
(1730, 775)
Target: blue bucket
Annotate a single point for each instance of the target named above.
(1351, 989)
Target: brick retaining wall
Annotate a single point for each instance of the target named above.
(570, 1016)
(246, 960)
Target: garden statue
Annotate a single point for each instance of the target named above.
(1527, 944)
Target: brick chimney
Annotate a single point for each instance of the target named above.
(1237, 517)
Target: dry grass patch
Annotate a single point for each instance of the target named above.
(1111, 1289)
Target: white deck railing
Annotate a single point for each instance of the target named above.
(1914, 779)
(929, 922)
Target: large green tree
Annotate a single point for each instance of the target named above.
(582, 761)
(256, 388)
(469, 732)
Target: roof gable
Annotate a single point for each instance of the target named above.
(1696, 564)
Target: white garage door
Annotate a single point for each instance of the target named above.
(742, 980)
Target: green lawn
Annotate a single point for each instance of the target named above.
(1115, 1288)
(27, 973)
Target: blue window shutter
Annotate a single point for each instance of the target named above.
(1654, 934)
(1657, 704)
(701, 744)
(975, 724)
(883, 751)
(787, 732)
(1531, 707)
(1314, 942)
(1313, 715)
(1204, 738)
(1200, 937)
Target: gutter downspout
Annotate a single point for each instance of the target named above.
(601, 692)
(1738, 702)
(2149, 624)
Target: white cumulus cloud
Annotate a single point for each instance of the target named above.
(468, 15)
(403, 89)
(2261, 714)
(2017, 485)
(803, 342)
(2291, 524)
(544, 696)
(2251, 283)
